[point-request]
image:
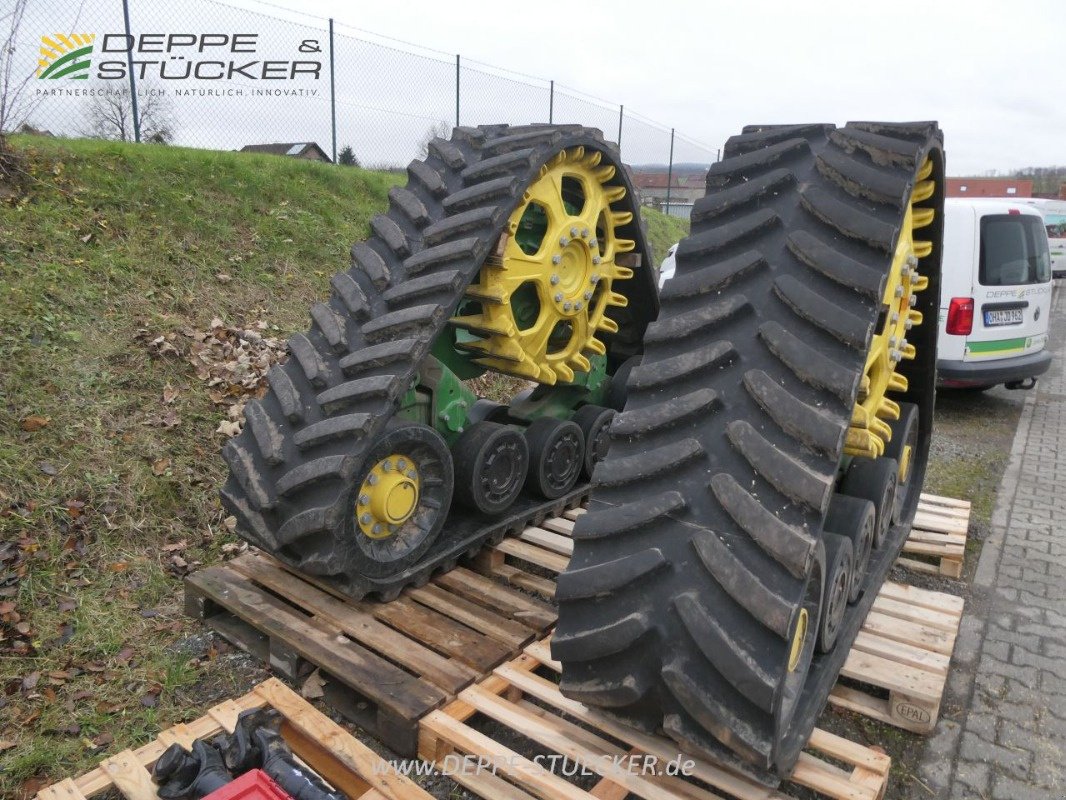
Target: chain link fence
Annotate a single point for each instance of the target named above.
(206, 74)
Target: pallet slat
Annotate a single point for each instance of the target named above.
(345, 762)
(939, 533)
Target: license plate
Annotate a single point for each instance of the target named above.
(1006, 316)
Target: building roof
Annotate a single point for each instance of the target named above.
(287, 149)
(657, 180)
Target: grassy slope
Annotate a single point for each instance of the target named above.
(111, 239)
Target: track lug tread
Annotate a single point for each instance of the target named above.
(309, 359)
(267, 435)
(612, 576)
(331, 325)
(644, 466)
(808, 363)
(789, 476)
(713, 277)
(410, 204)
(815, 427)
(617, 520)
(348, 425)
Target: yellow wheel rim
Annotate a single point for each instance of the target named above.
(798, 637)
(566, 275)
(388, 496)
(869, 433)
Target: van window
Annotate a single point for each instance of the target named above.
(1056, 226)
(1014, 250)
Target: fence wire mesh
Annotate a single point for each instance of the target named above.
(210, 75)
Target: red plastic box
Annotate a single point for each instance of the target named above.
(252, 785)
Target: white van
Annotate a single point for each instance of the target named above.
(1054, 213)
(995, 297)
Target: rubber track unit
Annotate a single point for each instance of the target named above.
(293, 468)
(706, 516)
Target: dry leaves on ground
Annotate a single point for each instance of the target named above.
(232, 360)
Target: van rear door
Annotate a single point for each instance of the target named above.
(1012, 297)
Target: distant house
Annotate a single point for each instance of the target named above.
(308, 150)
(685, 187)
(989, 187)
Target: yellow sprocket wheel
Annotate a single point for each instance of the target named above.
(542, 304)
(869, 433)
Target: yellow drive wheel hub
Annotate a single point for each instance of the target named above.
(388, 496)
(541, 304)
(869, 432)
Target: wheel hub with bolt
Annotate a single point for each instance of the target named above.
(388, 496)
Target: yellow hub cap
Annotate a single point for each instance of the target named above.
(544, 299)
(798, 637)
(388, 496)
(869, 432)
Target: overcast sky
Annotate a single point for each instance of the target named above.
(988, 71)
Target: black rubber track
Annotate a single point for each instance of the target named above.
(706, 512)
(293, 468)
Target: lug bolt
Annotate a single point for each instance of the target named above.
(892, 341)
(412, 474)
(899, 291)
(595, 277)
(386, 465)
(372, 480)
(555, 260)
(596, 259)
(563, 241)
(376, 529)
(594, 243)
(567, 305)
(912, 261)
(364, 499)
(577, 306)
(588, 295)
(908, 324)
(913, 300)
(584, 233)
(365, 519)
(573, 231)
(401, 464)
(895, 317)
(554, 278)
(905, 272)
(558, 297)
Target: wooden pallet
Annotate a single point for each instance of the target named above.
(343, 761)
(385, 664)
(904, 649)
(938, 536)
(605, 747)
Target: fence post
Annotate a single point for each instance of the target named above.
(129, 66)
(621, 110)
(457, 90)
(332, 93)
(551, 103)
(670, 172)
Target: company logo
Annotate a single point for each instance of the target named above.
(64, 56)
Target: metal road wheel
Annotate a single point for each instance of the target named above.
(491, 462)
(556, 456)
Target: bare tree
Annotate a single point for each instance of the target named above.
(110, 116)
(441, 130)
(15, 103)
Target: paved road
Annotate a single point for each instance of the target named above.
(1010, 660)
